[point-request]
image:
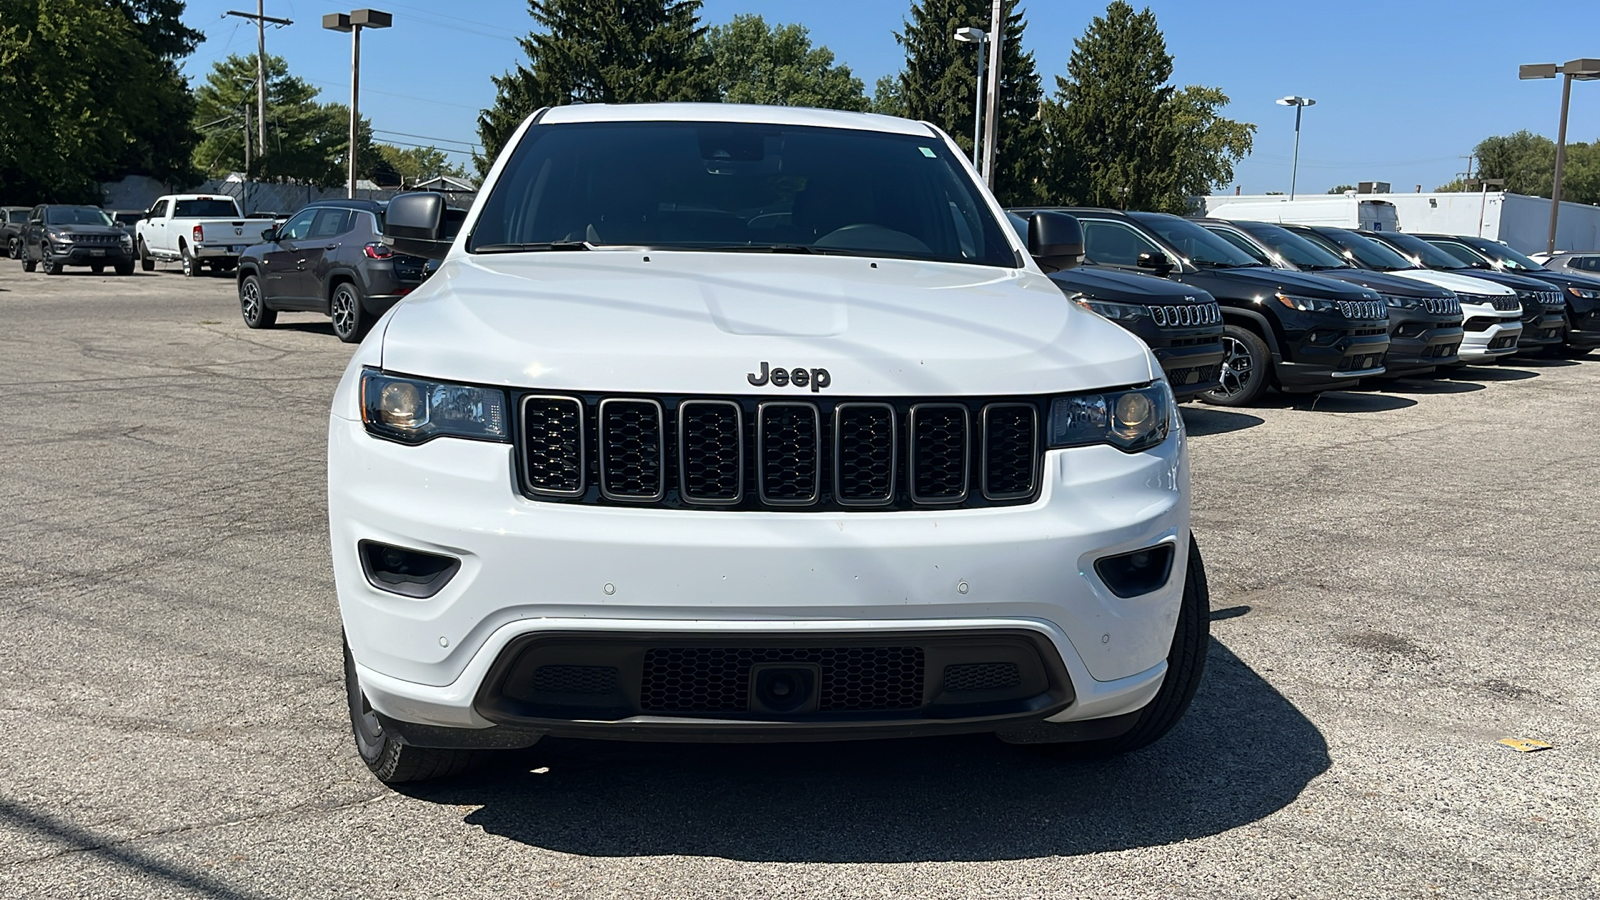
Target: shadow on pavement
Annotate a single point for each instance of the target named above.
(960, 798)
(323, 327)
(1204, 420)
(1489, 374)
(1336, 402)
(1541, 362)
(1420, 385)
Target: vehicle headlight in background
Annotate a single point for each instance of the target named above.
(1130, 420)
(1397, 302)
(412, 410)
(1307, 304)
(1584, 293)
(1110, 309)
(61, 237)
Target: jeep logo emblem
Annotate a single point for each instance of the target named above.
(816, 378)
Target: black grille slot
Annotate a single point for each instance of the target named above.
(552, 445)
(717, 679)
(576, 679)
(789, 454)
(864, 454)
(711, 452)
(632, 450)
(939, 453)
(981, 676)
(1010, 433)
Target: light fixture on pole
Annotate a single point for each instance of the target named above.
(1299, 104)
(981, 38)
(1582, 70)
(991, 125)
(353, 23)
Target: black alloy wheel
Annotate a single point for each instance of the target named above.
(47, 261)
(253, 305)
(1246, 367)
(349, 319)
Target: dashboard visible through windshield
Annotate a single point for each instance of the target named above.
(739, 187)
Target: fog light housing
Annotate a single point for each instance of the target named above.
(784, 687)
(1139, 572)
(409, 573)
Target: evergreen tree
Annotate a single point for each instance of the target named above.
(600, 51)
(1121, 135)
(754, 63)
(939, 82)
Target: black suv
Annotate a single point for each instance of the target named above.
(1424, 319)
(58, 236)
(329, 258)
(1182, 325)
(12, 220)
(1294, 331)
(1580, 293)
(1544, 312)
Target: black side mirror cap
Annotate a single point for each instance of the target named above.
(270, 235)
(1156, 262)
(1055, 241)
(414, 224)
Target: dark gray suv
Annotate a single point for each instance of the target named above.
(329, 258)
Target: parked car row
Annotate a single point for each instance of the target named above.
(1306, 308)
(53, 236)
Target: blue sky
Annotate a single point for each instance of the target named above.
(1404, 88)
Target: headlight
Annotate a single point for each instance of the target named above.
(1403, 302)
(1585, 294)
(1112, 310)
(61, 237)
(1307, 304)
(1130, 420)
(1480, 299)
(125, 238)
(413, 411)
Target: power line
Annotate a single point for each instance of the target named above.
(426, 137)
(401, 96)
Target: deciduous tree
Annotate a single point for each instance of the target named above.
(778, 66)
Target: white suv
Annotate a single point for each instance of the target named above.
(722, 422)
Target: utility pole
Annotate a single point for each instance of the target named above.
(261, 19)
(997, 29)
(353, 23)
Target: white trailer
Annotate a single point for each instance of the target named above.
(1335, 210)
(1521, 221)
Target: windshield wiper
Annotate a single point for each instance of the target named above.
(760, 248)
(534, 247)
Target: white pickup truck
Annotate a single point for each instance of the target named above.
(194, 229)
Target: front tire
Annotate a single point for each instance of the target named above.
(1246, 368)
(391, 761)
(350, 320)
(253, 304)
(147, 263)
(125, 268)
(1186, 663)
(48, 263)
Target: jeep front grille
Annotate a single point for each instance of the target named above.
(1186, 315)
(809, 455)
(717, 679)
(1364, 309)
(1443, 306)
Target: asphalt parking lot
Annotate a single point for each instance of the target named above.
(1400, 577)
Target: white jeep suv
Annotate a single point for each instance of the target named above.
(730, 423)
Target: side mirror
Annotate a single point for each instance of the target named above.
(270, 235)
(1055, 241)
(1155, 262)
(415, 224)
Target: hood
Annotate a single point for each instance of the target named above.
(1458, 283)
(706, 323)
(1386, 283)
(1126, 287)
(1259, 283)
(84, 229)
(1564, 279)
(1515, 282)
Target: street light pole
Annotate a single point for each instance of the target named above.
(353, 23)
(979, 37)
(1299, 104)
(1581, 70)
(991, 125)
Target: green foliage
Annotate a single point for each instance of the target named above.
(415, 164)
(600, 51)
(939, 84)
(84, 98)
(306, 140)
(159, 25)
(1341, 188)
(1527, 162)
(777, 66)
(1121, 135)
(887, 98)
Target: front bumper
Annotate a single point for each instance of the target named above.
(1194, 366)
(1328, 358)
(1488, 333)
(533, 570)
(1420, 341)
(1584, 330)
(1546, 329)
(100, 255)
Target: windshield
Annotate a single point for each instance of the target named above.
(1296, 249)
(1371, 254)
(1200, 246)
(75, 215)
(1505, 256)
(205, 209)
(1422, 251)
(19, 217)
(739, 186)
